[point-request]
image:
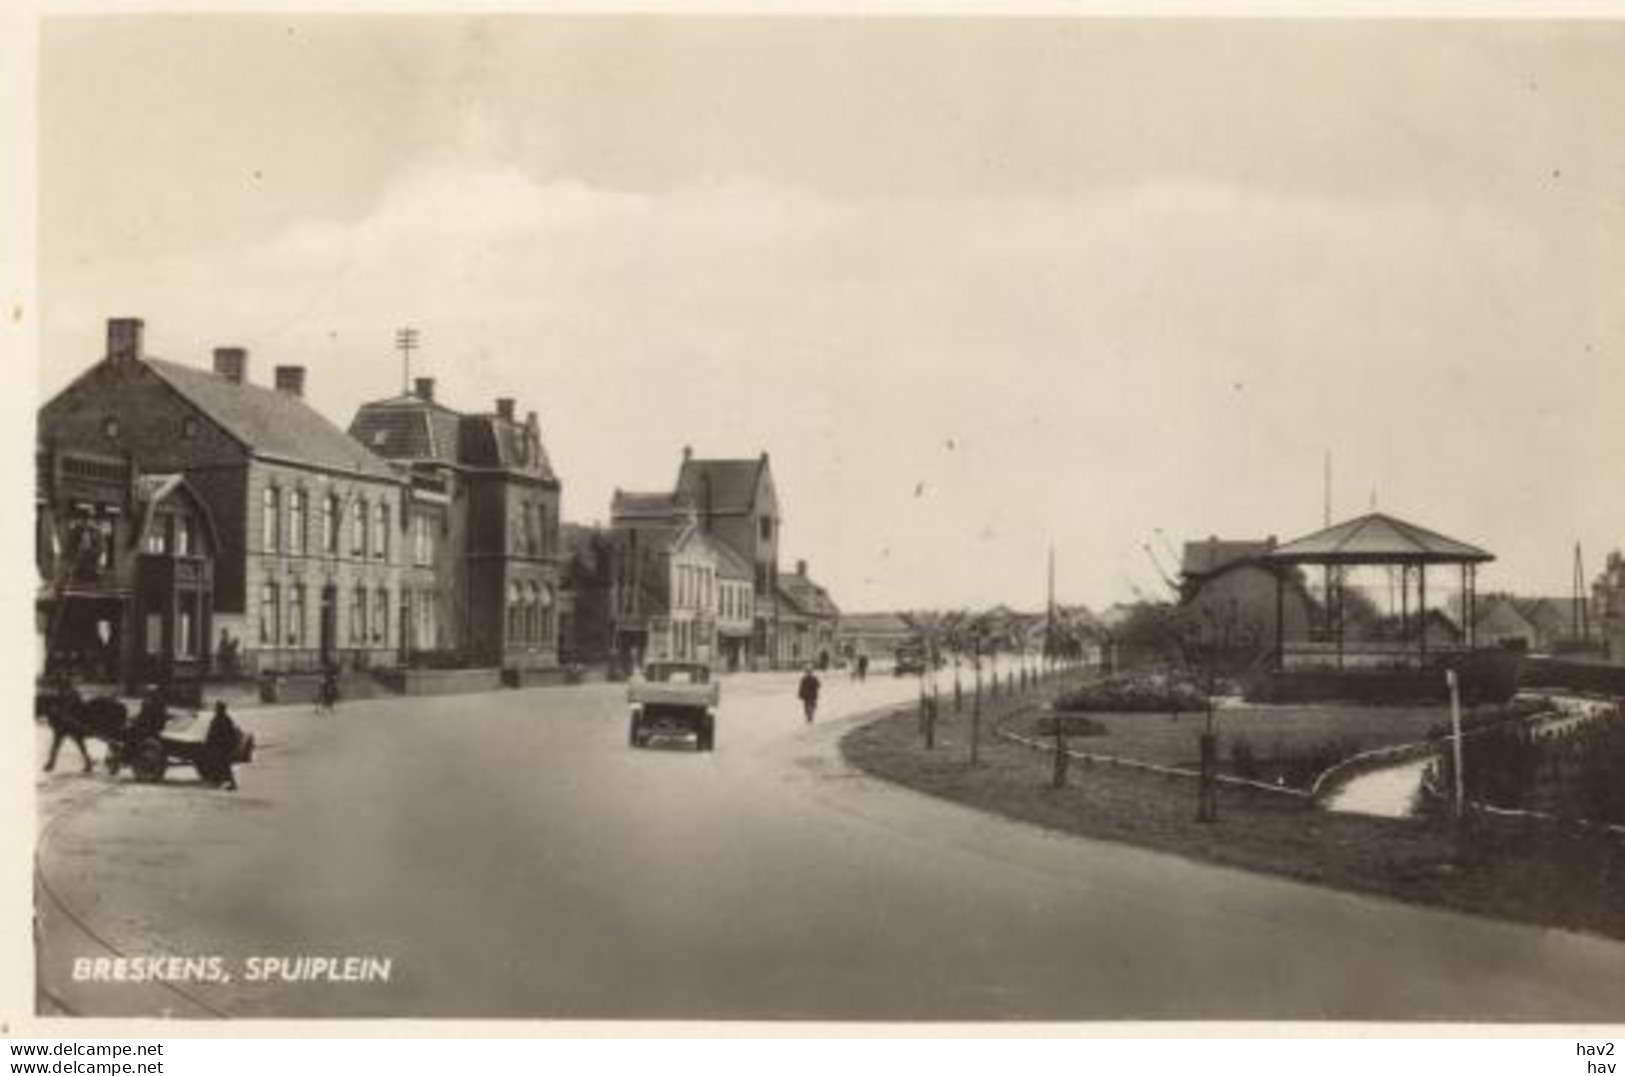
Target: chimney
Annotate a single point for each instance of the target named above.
(423, 388)
(124, 339)
(231, 363)
(688, 453)
(801, 568)
(505, 407)
(291, 379)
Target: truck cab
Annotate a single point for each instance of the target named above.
(673, 698)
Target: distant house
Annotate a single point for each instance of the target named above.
(1552, 619)
(874, 635)
(1227, 589)
(808, 620)
(1501, 622)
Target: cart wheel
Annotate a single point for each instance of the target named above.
(150, 761)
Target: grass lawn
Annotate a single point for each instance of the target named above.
(1293, 743)
(1529, 872)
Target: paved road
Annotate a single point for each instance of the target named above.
(513, 857)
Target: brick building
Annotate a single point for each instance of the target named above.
(481, 579)
(302, 535)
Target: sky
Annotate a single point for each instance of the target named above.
(979, 286)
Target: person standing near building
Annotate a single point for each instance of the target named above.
(808, 693)
(220, 750)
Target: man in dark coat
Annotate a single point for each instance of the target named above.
(219, 749)
(808, 692)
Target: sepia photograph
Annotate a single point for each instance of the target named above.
(905, 519)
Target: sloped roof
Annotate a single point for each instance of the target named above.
(407, 428)
(730, 564)
(489, 440)
(807, 596)
(732, 483)
(1547, 612)
(875, 624)
(1378, 539)
(1216, 554)
(270, 422)
(627, 504)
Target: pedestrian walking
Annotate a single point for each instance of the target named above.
(808, 693)
(219, 750)
(863, 668)
(327, 693)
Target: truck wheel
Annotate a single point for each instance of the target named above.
(150, 761)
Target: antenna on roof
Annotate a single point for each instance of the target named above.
(406, 342)
(1326, 510)
(1582, 620)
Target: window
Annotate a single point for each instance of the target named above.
(358, 530)
(270, 614)
(426, 620)
(544, 613)
(110, 426)
(358, 616)
(332, 524)
(183, 536)
(189, 427)
(158, 534)
(296, 615)
(270, 519)
(296, 521)
(422, 539)
(155, 635)
(380, 617)
(513, 611)
(380, 530)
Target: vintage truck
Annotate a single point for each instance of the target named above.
(674, 698)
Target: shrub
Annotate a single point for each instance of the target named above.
(1148, 693)
(1071, 725)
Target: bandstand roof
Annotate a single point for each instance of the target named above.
(1377, 539)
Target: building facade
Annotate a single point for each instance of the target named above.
(737, 503)
(126, 571)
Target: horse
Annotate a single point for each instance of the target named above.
(71, 717)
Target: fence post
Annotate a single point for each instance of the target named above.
(1062, 759)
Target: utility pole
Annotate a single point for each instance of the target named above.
(406, 342)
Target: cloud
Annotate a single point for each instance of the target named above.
(1181, 351)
